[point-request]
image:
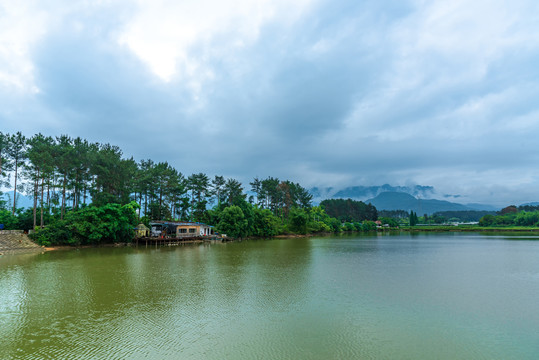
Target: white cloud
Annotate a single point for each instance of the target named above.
(162, 32)
(441, 54)
(21, 26)
(347, 92)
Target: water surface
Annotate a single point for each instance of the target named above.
(409, 296)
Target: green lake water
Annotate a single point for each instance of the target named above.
(422, 296)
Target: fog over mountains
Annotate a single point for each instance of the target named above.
(419, 198)
(367, 192)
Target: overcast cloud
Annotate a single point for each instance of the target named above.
(325, 93)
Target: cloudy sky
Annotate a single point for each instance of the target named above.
(349, 92)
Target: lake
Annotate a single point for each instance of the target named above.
(399, 296)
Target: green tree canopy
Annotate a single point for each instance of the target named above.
(232, 222)
(92, 225)
(349, 210)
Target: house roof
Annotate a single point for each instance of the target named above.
(179, 223)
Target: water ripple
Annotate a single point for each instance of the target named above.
(344, 298)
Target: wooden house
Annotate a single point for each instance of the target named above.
(180, 229)
(189, 229)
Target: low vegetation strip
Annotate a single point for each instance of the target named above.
(475, 228)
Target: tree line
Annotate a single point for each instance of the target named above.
(439, 217)
(349, 210)
(524, 215)
(64, 176)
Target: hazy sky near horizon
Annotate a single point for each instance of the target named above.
(338, 93)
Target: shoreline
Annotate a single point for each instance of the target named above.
(112, 245)
(426, 229)
(471, 229)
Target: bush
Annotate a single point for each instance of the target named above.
(389, 221)
(91, 225)
(335, 225)
(265, 223)
(9, 221)
(54, 234)
(368, 226)
(527, 218)
(487, 220)
(298, 221)
(317, 226)
(232, 222)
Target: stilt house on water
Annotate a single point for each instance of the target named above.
(180, 229)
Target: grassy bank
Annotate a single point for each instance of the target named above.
(475, 228)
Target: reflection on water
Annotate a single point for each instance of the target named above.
(380, 296)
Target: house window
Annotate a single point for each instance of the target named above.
(183, 231)
(192, 230)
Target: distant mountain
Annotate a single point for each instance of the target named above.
(403, 201)
(366, 192)
(481, 207)
(22, 200)
(424, 193)
(534, 203)
(321, 193)
(369, 191)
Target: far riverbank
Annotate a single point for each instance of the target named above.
(468, 228)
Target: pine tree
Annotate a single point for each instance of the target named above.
(413, 218)
(17, 152)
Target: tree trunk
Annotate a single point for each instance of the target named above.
(49, 196)
(192, 205)
(42, 191)
(146, 203)
(36, 189)
(140, 204)
(76, 194)
(15, 187)
(160, 202)
(62, 212)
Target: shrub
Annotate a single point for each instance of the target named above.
(349, 227)
(91, 225)
(368, 226)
